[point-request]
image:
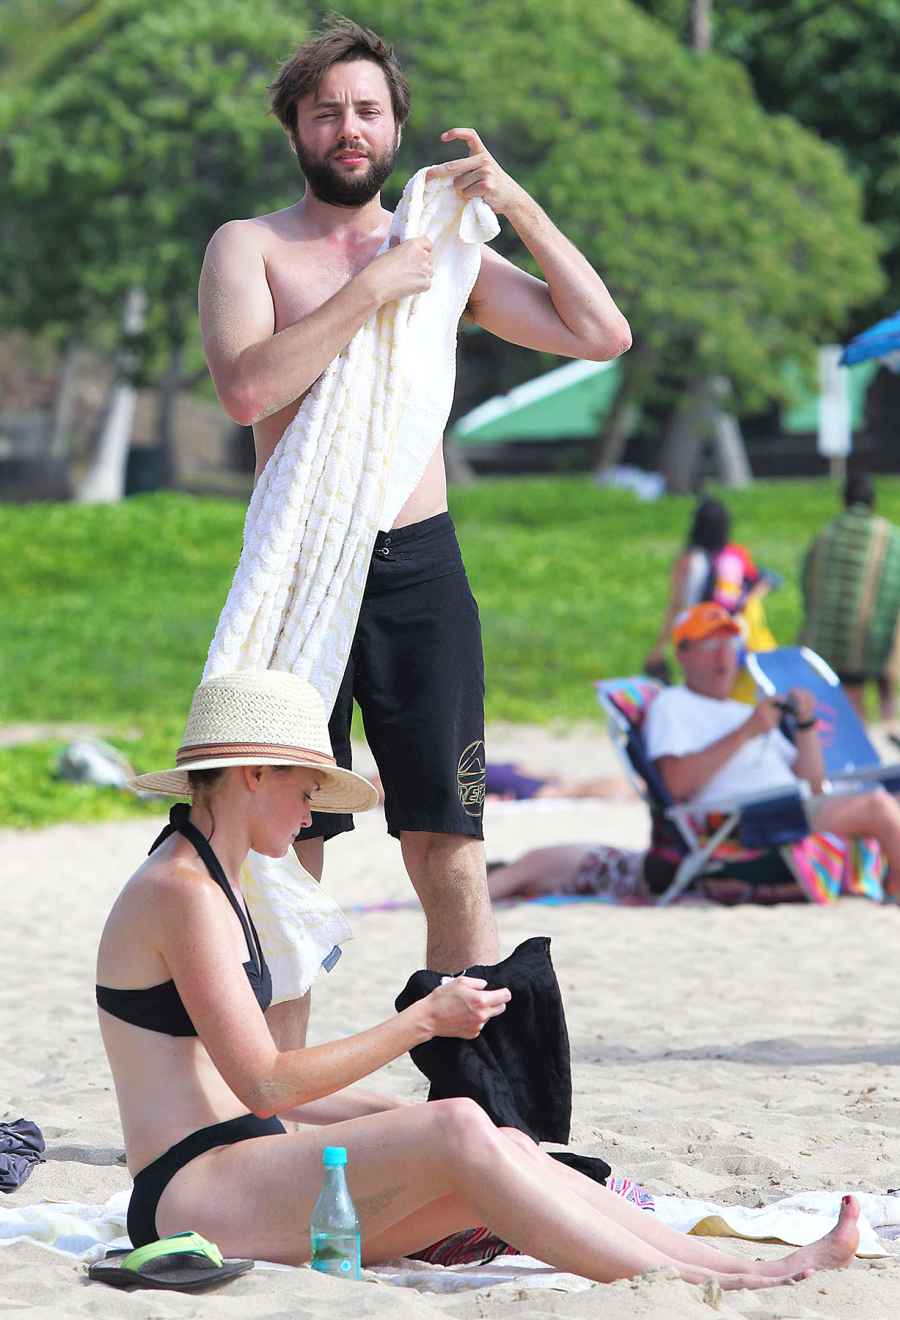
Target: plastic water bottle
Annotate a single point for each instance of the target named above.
(334, 1227)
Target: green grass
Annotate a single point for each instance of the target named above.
(108, 611)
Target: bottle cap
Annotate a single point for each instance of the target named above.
(334, 1156)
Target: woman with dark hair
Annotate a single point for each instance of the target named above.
(713, 567)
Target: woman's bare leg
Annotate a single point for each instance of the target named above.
(255, 1198)
(832, 1251)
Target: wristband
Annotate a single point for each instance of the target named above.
(803, 725)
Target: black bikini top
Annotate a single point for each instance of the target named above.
(159, 1007)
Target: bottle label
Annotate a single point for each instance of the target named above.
(336, 1253)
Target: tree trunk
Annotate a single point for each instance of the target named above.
(64, 405)
(701, 25)
(609, 446)
(166, 404)
(728, 442)
(458, 468)
(686, 433)
(105, 479)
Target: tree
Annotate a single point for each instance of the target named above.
(140, 132)
(733, 239)
(833, 68)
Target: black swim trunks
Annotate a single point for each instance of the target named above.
(416, 671)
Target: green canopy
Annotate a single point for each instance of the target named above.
(570, 402)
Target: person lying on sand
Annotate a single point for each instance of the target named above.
(511, 781)
(183, 989)
(709, 748)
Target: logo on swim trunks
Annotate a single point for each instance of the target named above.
(470, 776)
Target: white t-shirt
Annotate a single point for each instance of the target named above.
(680, 722)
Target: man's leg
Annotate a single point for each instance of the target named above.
(311, 856)
(856, 695)
(449, 875)
(420, 686)
(876, 814)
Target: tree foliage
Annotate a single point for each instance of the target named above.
(729, 236)
(142, 130)
(722, 230)
(832, 67)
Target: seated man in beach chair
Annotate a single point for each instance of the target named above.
(708, 749)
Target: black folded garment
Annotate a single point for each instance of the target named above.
(518, 1067)
(21, 1144)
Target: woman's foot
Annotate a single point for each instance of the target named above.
(732, 1282)
(834, 1251)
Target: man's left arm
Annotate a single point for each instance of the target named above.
(570, 312)
(808, 764)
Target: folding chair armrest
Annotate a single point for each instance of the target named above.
(763, 820)
(888, 776)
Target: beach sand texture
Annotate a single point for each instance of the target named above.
(741, 1055)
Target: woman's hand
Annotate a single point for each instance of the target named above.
(461, 1006)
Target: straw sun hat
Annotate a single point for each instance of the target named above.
(265, 718)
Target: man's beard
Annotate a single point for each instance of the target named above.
(336, 189)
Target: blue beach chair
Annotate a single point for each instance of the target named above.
(849, 755)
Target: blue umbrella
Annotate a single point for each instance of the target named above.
(881, 340)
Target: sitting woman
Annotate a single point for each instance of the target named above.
(183, 990)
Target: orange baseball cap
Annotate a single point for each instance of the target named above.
(701, 620)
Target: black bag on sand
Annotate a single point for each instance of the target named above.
(21, 1148)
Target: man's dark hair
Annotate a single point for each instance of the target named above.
(711, 526)
(340, 41)
(859, 489)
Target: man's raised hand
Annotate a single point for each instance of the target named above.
(478, 174)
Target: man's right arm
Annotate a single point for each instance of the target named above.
(685, 776)
(257, 371)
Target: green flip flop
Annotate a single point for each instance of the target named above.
(184, 1262)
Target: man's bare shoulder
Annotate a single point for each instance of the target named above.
(256, 231)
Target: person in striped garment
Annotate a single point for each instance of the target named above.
(851, 594)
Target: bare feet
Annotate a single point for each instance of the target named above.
(732, 1282)
(834, 1251)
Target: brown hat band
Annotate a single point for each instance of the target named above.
(222, 751)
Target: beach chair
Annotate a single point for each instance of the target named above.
(771, 830)
(850, 756)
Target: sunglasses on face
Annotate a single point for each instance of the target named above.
(716, 643)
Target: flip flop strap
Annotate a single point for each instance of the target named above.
(178, 1244)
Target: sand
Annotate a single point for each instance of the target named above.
(741, 1055)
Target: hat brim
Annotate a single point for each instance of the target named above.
(340, 790)
(733, 627)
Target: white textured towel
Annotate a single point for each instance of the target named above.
(354, 452)
(298, 923)
(85, 1231)
(344, 468)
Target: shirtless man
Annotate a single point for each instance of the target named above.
(280, 296)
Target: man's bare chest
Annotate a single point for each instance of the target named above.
(302, 277)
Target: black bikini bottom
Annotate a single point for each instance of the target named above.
(153, 1179)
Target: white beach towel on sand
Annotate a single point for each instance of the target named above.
(86, 1231)
(343, 469)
